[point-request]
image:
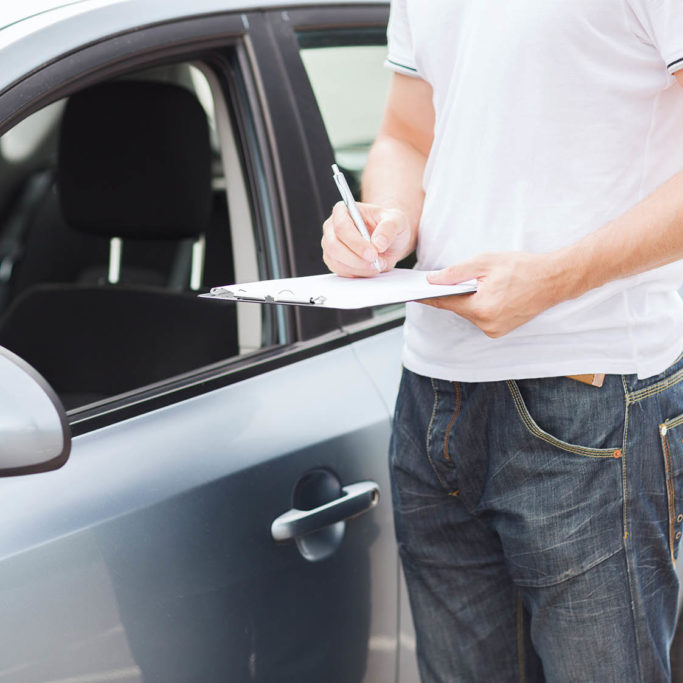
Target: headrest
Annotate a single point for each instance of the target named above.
(135, 161)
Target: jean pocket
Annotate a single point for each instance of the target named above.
(564, 520)
(671, 435)
(572, 416)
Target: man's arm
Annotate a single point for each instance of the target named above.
(391, 186)
(515, 287)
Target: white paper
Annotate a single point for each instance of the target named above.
(333, 291)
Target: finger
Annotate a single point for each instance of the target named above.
(461, 304)
(346, 232)
(435, 302)
(342, 254)
(477, 311)
(342, 269)
(460, 272)
(386, 229)
(473, 308)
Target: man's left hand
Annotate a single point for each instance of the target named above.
(513, 287)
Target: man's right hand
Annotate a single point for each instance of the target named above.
(392, 187)
(347, 253)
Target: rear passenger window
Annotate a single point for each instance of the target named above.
(117, 207)
(350, 83)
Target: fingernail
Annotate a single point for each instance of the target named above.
(370, 255)
(380, 242)
(382, 264)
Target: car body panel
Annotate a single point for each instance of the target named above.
(149, 556)
(36, 40)
(158, 544)
(379, 357)
(11, 13)
(15, 13)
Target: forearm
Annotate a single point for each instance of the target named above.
(393, 179)
(645, 237)
(514, 287)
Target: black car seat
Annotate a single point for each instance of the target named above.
(134, 163)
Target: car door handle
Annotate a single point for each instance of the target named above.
(356, 499)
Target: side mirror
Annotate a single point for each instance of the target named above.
(34, 432)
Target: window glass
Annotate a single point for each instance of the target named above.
(114, 216)
(350, 84)
(27, 137)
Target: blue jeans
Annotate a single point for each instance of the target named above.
(538, 523)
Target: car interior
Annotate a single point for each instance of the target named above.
(118, 207)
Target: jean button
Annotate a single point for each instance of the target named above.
(679, 519)
(678, 535)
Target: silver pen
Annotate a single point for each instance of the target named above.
(351, 207)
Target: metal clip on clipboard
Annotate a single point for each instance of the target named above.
(332, 291)
(284, 296)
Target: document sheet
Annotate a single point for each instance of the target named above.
(332, 291)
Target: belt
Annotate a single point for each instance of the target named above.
(595, 380)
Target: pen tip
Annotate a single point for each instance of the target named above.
(335, 169)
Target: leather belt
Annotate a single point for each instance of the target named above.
(595, 380)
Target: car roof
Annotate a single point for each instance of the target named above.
(12, 13)
(35, 32)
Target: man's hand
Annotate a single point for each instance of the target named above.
(513, 287)
(392, 186)
(347, 253)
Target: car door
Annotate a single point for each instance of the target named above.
(163, 549)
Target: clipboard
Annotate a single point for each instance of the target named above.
(332, 291)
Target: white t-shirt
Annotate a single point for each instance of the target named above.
(552, 118)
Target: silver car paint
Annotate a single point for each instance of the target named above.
(154, 523)
(142, 559)
(32, 421)
(29, 44)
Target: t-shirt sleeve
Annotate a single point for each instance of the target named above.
(661, 24)
(400, 55)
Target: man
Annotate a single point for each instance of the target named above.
(537, 147)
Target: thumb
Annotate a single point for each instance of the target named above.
(387, 225)
(452, 275)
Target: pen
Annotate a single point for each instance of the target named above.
(350, 202)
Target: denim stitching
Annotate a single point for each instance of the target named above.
(623, 457)
(521, 664)
(627, 554)
(429, 434)
(454, 417)
(655, 388)
(669, 487)
(675, 422)
(647, 392)
(668, 469)
(633, 612)
(536, 431)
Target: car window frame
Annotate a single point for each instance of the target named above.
(311, 152)
(217, 41)
(209, 39)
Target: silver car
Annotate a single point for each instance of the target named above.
(193, 490)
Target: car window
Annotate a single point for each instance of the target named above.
(115, 213)
(27, 138)
(350, 82)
